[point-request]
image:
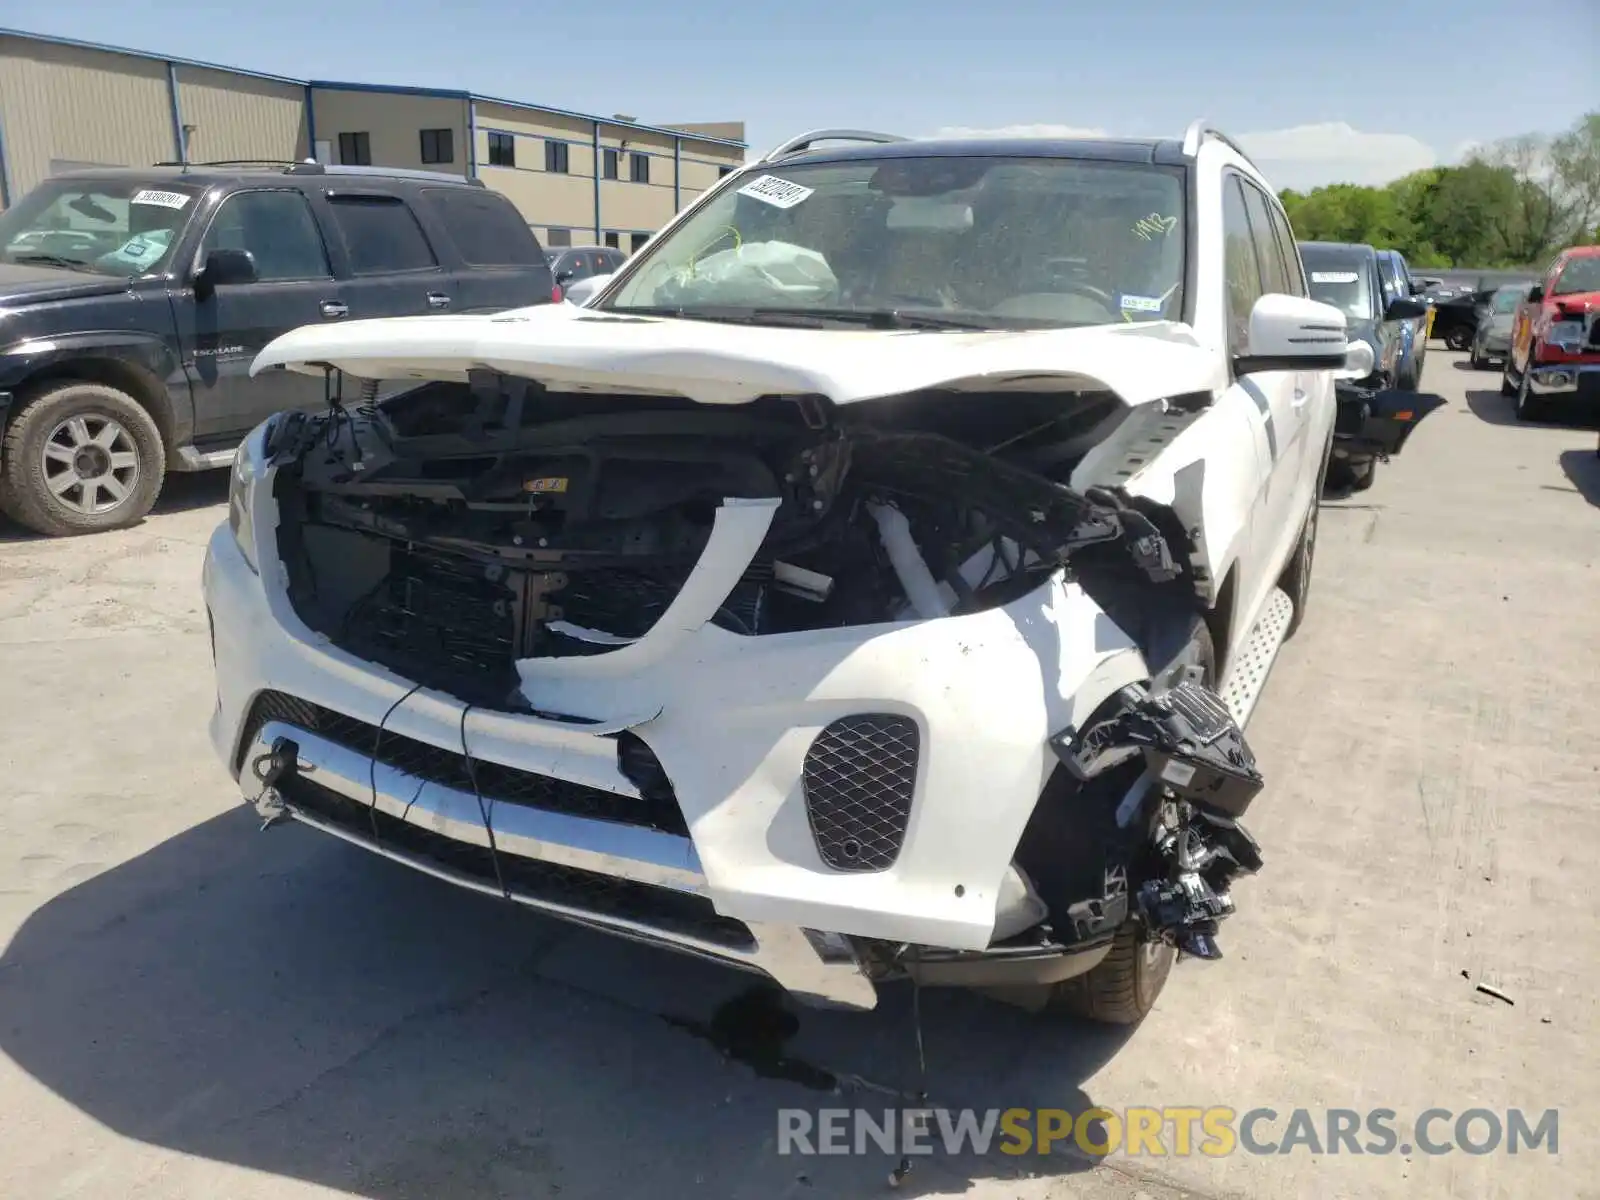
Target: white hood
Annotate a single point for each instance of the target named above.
(569, 348)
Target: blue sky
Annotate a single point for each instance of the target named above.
(1369, 88)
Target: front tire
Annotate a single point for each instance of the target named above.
(1528, 406)
(80, 458)
(1296, 580)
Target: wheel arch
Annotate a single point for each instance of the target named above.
(104, 366)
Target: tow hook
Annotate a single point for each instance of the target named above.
(1202, 775)
(270, 769)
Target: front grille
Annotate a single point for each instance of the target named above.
(859, 777)
(603, 895)
(658, 809)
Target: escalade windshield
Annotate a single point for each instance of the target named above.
(931, 242)
(104, 227)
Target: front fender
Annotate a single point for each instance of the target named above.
(142, 363)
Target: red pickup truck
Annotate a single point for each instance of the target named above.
(1555, 340)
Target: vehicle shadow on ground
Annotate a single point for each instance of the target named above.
(1582, 467)
(180, 493)
(1496, 409)
(287, 1003)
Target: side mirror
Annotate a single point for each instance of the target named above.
(1359, 361)
(1291, 333)
(1405, 310)
(586, 290)
(224, 267)
(1536, 294)
(563, 276)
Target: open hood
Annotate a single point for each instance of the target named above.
(575, 349)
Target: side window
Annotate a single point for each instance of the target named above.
(381, 235)
(485, 227)
(1294, 272)
(1241, 275)
(1269, 256)
(277, 229)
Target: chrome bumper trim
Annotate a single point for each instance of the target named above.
(1560, 379)
(788, 955)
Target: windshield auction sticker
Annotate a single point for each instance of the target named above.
(1334, 276)
(779, 193)
(163, 199)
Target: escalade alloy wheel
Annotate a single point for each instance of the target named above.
(80, 458)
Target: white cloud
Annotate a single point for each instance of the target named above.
(1334, 152)
(1302, 157)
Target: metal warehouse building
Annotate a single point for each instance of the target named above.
(576, 178)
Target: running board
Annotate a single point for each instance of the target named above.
(1253, 662)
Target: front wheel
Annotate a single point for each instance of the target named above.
(1458, 338)
(80, 458)
(1529, 407)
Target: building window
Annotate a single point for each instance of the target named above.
(724, 172)
(438, 146)
(355, 149)
(636, 240)
(610, 158)
(613, 240)
(555, 157)
(639, 167)
(558, 237)
(502, 150)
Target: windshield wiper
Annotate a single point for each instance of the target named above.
(52, 260)
(813, 318)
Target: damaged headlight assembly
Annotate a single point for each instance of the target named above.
(1200, 776)
(249, 464)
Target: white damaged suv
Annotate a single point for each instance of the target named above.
(870, 581)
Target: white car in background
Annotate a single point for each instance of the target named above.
(871, 581)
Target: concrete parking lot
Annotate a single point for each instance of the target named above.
(190, 1008)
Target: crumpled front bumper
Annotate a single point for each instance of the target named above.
(730, 719)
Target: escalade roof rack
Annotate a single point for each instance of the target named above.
(1199, 130)
(806, 140)
(312, 167)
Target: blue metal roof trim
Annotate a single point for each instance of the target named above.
(150, 56)
(334, 85)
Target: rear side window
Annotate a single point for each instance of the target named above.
(381, 235)
(486, 228)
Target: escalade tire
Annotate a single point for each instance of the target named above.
(1122, 988)
(80, 458)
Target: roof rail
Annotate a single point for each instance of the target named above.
(309, 166)
(234, 162)
(1200, 129)
(806, 140)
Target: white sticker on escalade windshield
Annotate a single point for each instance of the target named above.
(779, 193)
(1141, 304)
(1334, 276)
(164, 199)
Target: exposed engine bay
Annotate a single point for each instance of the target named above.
(458, 528)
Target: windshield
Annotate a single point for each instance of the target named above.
(106, 227)
(1579, 275)
(975, 242)
(1341, 282)
(1506, 299)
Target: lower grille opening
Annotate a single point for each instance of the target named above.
(859, 777)
(656, 809)
(664, 909)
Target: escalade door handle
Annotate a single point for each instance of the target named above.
(335, 308)
(438, 300)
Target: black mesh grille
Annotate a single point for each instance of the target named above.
(657, 810)
(859, 776)
(604, 895)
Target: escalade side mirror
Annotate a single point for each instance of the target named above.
(1291, 333)
(586, 290)
(563, 276)
(1405, 310)
(223, 267)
